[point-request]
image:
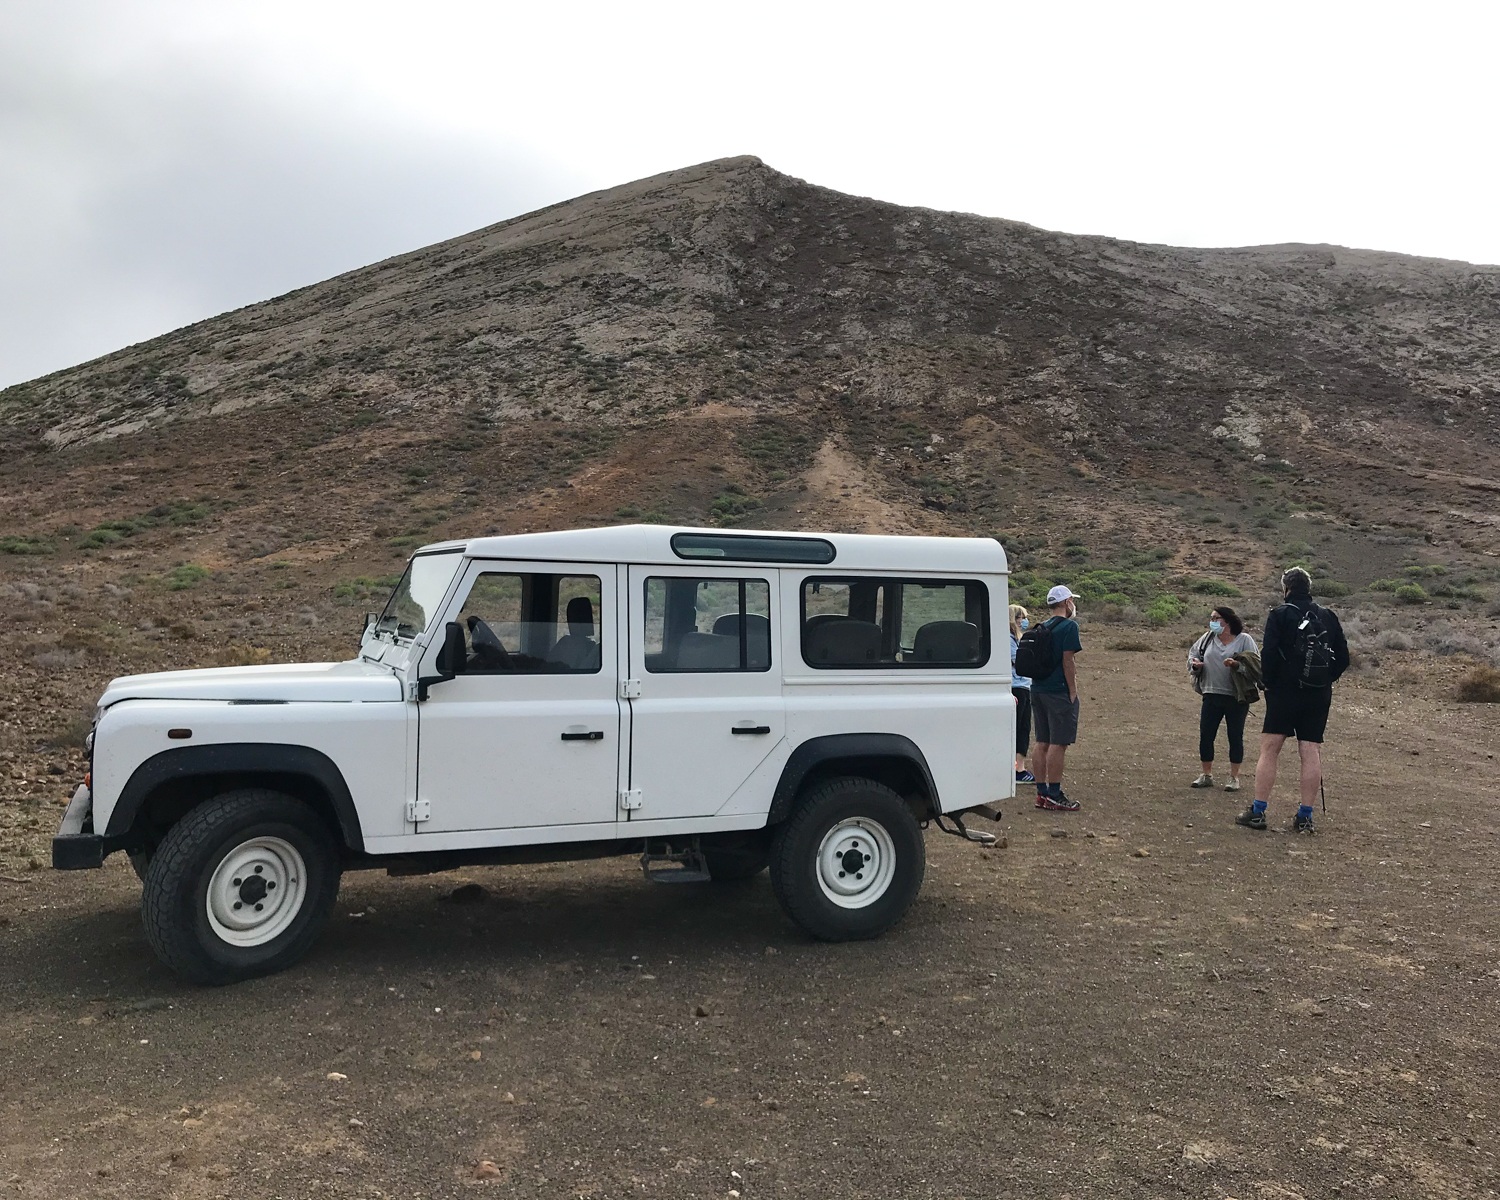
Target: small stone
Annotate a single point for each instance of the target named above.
(770, 950)
(709, 1103)
(1018, 1112)
(192, 1123)
(1002, 842)
(508, 1098)
(1425, 825)
(336, 1077)
(475, 1055)
(1058, 833)
(699, 1011)
(1140, 852)
(772, 1105)
(468, 893)
(1199, 1152)
(486, 1170)
(1089, 833)
(356, 1123)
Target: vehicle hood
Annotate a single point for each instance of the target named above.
(328, 682)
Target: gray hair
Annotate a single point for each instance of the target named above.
(1296, 580)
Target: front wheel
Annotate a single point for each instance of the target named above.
(240, 887)
(849, 862)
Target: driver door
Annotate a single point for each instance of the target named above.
(528, 735)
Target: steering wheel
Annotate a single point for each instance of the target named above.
(489, 651)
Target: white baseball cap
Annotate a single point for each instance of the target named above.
(1058, 594)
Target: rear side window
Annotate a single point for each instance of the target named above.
(875, 623)
(707, 625)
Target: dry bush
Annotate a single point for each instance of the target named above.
(71, 734)
(237, 654)
(1445, 639)
(1395, 639)
(58, 660)
(1134, 645)
(1480, 686)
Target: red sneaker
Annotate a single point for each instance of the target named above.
(1058, 803)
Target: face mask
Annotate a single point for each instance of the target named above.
(1025, 623)
(1216, 626)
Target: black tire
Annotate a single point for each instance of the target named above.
(242, 845)
(732, 857)
(836, 822)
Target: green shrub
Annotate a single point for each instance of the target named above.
(1212, 587)
(1411, 593)
(186, 575)
(25, 545)
(1165, 608)
(1330, 588)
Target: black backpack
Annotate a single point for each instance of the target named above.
(1309, 654)
(1034, 652)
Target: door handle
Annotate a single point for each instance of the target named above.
(750, 729)
(591, 735)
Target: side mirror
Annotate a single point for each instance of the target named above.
(370, 619)
(450, 659)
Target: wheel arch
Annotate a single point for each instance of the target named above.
(888, 758)
(169, 784)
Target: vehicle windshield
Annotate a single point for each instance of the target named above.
(415, 601)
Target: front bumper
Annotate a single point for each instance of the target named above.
(77, 847)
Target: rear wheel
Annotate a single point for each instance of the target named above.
(240, 887)
(850, 861)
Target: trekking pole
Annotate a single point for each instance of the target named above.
(1322, 795)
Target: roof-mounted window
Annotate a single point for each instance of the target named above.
(739, 547)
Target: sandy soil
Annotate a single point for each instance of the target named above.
(1140, 1000)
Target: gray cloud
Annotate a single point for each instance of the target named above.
(142, 196)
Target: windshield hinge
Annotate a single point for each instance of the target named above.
(630, 689)
(418, 811)
(630, 799)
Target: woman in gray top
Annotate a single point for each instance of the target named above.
(1210, 661)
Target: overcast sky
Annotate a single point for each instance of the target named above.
(165, 160)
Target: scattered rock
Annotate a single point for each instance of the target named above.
(192, 1123)
(772, 1105)
(1058, 833)
(770, 950)
(709, 1103)
(508, 1098)
(336, 1076)
(356, 1123)
(699, 1011)
(468, 893)
(1306, 1007)
(475, 1055)
(1200, 1152)
(1002, 842)
(486, 1170)
(1140, 852)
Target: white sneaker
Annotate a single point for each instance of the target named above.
(1233, 785)
(1203, 781)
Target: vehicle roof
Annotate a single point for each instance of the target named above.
(652, 544)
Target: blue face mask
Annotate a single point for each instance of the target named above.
(1024, 623)
(1216, 626)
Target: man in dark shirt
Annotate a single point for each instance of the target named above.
(1294, 708)
(1054, 701)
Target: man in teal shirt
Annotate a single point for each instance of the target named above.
(1054, 704)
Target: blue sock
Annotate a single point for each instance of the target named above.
(1258, 806)
(1304, 810)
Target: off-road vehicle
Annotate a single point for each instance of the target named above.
(716, 703)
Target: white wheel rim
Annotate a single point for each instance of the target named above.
(856, 862)
(256, 891)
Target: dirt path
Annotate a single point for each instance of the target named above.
(1158, 1004)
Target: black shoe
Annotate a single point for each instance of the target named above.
(1251, 819)
(1302, 824)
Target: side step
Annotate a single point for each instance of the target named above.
(668, 865)
(988, 811)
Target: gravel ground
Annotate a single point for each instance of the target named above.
(1157, 1004)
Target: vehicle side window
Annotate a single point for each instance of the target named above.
(533, 623)
(707, 624)
(894, 623)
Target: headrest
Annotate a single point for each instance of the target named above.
(946, 642)
(844, 642)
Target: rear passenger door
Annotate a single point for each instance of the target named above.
(703, 685)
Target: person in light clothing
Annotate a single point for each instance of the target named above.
(1212, 661)
(1020, 688)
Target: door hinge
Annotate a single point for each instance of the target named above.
(630, 689)
(418, 811)
(630, 798)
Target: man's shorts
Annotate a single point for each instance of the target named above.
(1054, 718)
(1298, 712)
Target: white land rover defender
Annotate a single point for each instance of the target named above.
(713, 702)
